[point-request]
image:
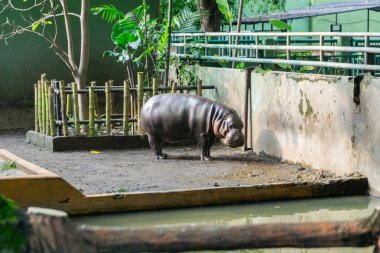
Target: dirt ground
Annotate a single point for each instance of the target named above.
(137, 170)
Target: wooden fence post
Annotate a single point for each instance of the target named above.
(93, 84)
(76, 109)
(174, 87)
(69, 104)
(199, 87)
(126, 107)
(51, 112)
(112, 103)
(140, 97)
(36, 105)
(43, 108)
(47, 119)
(91, 111)
(108, 107)
(40, 107)
(62, 92)
(155, 86)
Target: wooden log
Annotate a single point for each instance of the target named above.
(155, 86)
(36, 105)
(91, 111)
(55, 231)
(126, 107)
(52, 125)
(76, 109)
(63, 107)
(47, 124)
(174, 87)
(199, 87)
(108, 107)
(140, 97)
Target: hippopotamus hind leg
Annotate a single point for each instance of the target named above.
(205, 142)
(155, 144)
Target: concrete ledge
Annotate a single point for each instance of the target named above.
(64, 143)
(46, 189)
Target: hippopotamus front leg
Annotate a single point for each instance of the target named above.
(155, 144)
(205, 142)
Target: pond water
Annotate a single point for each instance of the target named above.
(324, 209)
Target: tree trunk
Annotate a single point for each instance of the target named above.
(81, 78)
(211, 22)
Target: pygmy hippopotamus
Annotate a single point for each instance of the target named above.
(175, 117)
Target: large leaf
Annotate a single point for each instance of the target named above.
(224, 8)
(125, 31)
(109, 12)
(186, 19)
(280, 24)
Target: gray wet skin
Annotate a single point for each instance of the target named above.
(176, 117)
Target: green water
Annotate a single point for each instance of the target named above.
(326, 209)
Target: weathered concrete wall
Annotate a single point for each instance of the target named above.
(307, 119)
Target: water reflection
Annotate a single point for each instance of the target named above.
(327, 209)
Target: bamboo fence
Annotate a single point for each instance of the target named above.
(57, 106)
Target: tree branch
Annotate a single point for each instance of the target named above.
(69, 36)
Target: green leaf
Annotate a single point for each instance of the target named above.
(35, 26)
(225, 9)
(283, 65)
(241, 65)
(280, 24)
(109, 12)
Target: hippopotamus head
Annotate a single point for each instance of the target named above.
(231, 130)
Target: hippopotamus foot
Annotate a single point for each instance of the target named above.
(161, 156)
(155, 144)
(206, 158)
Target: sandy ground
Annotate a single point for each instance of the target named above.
(137, 170)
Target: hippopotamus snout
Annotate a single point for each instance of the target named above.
(234, 138)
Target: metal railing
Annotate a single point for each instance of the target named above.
(353, 51)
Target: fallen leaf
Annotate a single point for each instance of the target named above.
(95, 152)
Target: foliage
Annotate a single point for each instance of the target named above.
(138, 37)
(12, 237)
(121, 190)
(226, 11)
(281, 25)
(241, 65)
(109, 12)
(9, 165)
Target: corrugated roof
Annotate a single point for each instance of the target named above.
(318, 10)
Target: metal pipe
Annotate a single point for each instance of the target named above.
(100, 89)
(337, 34)
(371, 50)
(247, 88)
(290, 62)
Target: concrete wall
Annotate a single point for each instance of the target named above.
(307, 119)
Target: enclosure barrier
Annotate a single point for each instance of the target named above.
(356, 51)
(51, 229)
(57, 106)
